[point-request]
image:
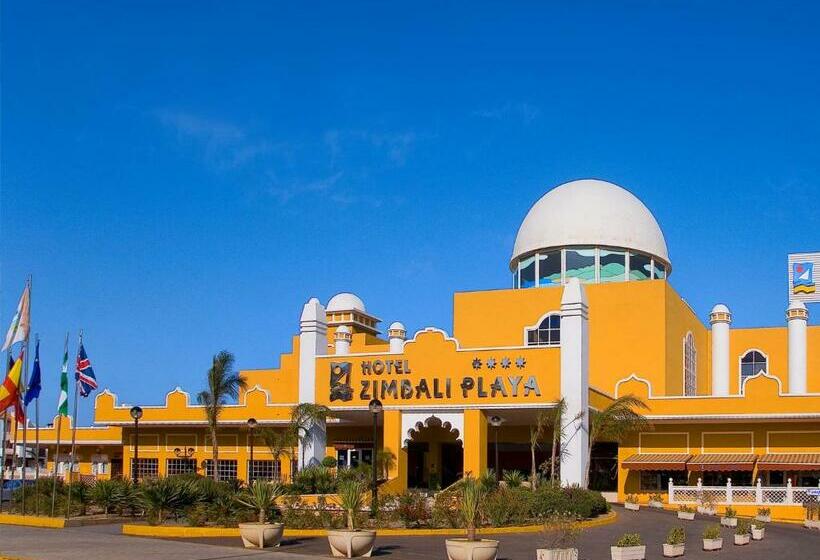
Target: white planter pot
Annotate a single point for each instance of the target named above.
(556, 554)
(728, 521)
(712, 544)
(764, 518)
(741, 540)
(811, 523)
(688, 515)
(757, 534)
(351, 544)
(706, 510)
(462, 549)
(261, 535)
(628, 552)
(632, 507)
(656, 505)
(673, 550)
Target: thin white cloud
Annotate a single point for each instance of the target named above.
(285, 192)
(522, 111)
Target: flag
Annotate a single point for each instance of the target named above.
(84, 374)
(33, 389)
(62, 404)
(18, 330)
(10, 389)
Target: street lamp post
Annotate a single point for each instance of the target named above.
(251, 425)
(136, 414)
(495, 422)
(375, 407)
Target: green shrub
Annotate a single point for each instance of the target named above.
(743, 527)
(445, 510)
(167, 495)
(508, 506)
(514, 479)
(488, 480)
(260, 497)
(552, 499)
(351, 499)
(711, 532)
(685, 508)
(676, 536)
(412, 509)
(329, 462)
(80, 495)
(655, 497)
(730, 512)
(105, 494)
(632, 499)
(629, 539)
(764, 511)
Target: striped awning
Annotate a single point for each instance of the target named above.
(723, 462)
(789, 462)
(657, 461)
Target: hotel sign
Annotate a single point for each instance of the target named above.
(804, 272)
(388, 380)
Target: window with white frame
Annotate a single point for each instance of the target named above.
(690, 365)
(179, 466)
(146, 468)
(225, 469)
(547, 333)
(264, 470)
(752, 363)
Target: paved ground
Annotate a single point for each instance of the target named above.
(782, 542)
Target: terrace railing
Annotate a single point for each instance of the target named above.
(752, 495)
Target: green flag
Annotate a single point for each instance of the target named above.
(62, 406)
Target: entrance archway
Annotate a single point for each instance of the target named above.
(435, 454)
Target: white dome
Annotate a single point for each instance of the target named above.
(797, 304)
(346, 301)
(396, 326)
(590, 212)
(720, 308)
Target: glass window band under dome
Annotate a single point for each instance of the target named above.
(591, 265)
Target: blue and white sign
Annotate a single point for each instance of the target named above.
(804, 274)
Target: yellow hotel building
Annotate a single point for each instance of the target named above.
(590, 316)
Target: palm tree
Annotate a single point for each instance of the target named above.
(223, 384)
(558, 425)
(303, 417)
(280, 442)
(542, 420)
(614, 423)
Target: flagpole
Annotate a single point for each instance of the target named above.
(14, 447)
(73, 435)
(59, 430)
(3, 437)
(37, 442)
(25, 407)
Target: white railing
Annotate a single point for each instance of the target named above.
(752, 495)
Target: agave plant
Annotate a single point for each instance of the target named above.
(470, 501)
(80, 494)
(514, 479)
(351, 497)
(106, 494)
(260, 496)
(166, 495)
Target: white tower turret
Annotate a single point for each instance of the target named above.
(797, 317)
(721, 319)
(396, 334)
(343, 337)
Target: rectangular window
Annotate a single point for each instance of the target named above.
(640, 267)
(146, 468)
(225, 469)
(580, 263)
(656, 481)
(658, 270)
(175, 467)
(739, 478)
(264, 470)
(613, 266)
(526, 273)
(549, 268)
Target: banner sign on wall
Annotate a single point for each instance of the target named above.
(804, 272)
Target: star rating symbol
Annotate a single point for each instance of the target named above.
(476, 363)
(505, 362)
(490, 363)
(520, 362)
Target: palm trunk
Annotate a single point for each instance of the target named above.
(261, 515)
(589, 464)
(471, 532)
(215, 447)
(532, 459)
(552, 458)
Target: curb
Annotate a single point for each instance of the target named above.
(32, 521)
(199, 532)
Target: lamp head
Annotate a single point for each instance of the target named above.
(252, 423)
(136, 412)
(375, 406)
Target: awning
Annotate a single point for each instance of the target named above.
(657, 462)
(723, 462)
(789, 462)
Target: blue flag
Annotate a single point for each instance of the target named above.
(33, 390)
(84, 374)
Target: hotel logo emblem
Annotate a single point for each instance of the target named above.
(803, 278)
(340, 389)
(803, 268)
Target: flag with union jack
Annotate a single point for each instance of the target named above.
(84, 373)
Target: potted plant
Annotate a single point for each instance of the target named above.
(812, 520)
(729, 518)
(675, 544)
(261, 496)
(628, 547)
(656, 500)
(706, 504)
(764, 514)
(711, 538)
(470, 502)
(742, 535)
(560, 539)
(351, 542)
(758, 530)
(686, 512)
(631, 502)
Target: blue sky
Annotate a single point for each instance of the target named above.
(180, 177)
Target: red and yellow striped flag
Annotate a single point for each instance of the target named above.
(10, 389)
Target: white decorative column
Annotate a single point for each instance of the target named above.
(575, 382)
(797, 317)
(342, 339)
(312, 343)
(396, 334)
(721, 319)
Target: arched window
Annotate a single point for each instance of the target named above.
(690, 365)
(752, 363)
(547, 333)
